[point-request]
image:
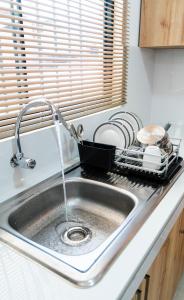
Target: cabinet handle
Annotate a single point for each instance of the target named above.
(138, 294)
(181, 231)
(147, 278)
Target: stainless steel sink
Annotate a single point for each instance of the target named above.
(102, 216)
(95, 210)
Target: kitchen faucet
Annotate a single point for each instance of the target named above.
(18, 159)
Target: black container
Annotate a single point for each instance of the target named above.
(96, 155)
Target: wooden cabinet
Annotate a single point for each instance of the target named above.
(180, 260)
(157, 273)
(166, 269)
(168, 266)
(162, 23)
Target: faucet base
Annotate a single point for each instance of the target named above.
(23, 162)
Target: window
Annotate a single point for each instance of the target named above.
(73, 52)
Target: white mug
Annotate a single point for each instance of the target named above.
(152, 158)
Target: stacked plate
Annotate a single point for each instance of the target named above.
(120, 131)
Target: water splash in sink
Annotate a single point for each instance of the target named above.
(58, 132)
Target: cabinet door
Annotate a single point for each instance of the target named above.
(162, 23)
(157, 273)
(167, 269)
(181, 247)
(172, 267)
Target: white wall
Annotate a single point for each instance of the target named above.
(41, 145)
(168, 89)
(141, 64)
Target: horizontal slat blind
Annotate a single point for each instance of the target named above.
(73, 52)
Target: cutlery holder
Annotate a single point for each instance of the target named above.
(96, 155)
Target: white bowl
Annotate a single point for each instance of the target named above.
(151, 134)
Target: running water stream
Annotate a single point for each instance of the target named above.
(58, 132)
(73, 233)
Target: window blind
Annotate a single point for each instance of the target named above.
(73, 52)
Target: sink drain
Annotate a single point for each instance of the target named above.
(76, 235)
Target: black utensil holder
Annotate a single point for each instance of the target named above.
(95, 155)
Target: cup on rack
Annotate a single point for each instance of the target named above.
(152, 157)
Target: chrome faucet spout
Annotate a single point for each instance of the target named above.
(18, 158)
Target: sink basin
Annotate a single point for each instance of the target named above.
(95, 211)
(101, 214)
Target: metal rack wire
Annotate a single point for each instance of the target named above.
(133, 160)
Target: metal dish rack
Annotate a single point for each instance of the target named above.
(125, 160)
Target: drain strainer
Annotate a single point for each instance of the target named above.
(76, 235)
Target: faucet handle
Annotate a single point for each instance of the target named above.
(23, 162)
(31, 163)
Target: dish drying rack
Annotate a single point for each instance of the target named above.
(126, 162)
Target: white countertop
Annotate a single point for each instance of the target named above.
(22, 278)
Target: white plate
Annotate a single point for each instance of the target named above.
(138, 120)
(111, 134)
(128, 128)
(130, 117)
(124, 129)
